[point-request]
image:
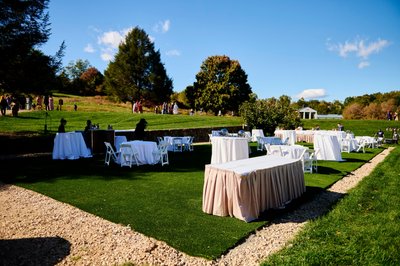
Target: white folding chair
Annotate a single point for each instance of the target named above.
(110, 153)
(177, 145)
(188, 144)
(161, 154)
(268, 148)
(361, 146)
(277, 151)
(310, 163)
(128, 155)
(260, 143)
(345, 145)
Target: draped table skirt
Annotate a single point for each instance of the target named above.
(245, 188)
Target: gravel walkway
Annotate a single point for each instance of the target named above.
(38, 230)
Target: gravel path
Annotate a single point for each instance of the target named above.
(38, 230)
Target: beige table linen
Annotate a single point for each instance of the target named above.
(245, 188)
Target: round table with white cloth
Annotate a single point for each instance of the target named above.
(226, 149)
(70, 145)
(328, 146)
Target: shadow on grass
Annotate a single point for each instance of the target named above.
(34, 251)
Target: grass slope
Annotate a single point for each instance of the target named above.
(363, 229)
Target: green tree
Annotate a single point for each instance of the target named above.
(137, 71)
(268, 114)
(221, 84)
(24, 26)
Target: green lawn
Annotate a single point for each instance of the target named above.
(363, 229)
(162, 202)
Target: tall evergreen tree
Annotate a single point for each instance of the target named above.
(137, 71)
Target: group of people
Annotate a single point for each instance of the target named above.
(138, 135)
(167, 108)
(9, 103)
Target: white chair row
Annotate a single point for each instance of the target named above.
(308, 157)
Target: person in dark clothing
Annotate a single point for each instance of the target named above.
(140, 127)
(61, 127)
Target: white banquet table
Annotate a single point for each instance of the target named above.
(226, 149)
(292, 152)
(245, 188)
(70, 145)
(146, 151)
(328, 146)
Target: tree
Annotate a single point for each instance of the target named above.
(23, 27)
(72, 75)
(92, 81)
(221, 84)
(268, 114)
(137, 71)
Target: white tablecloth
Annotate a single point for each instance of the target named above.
(284, 134)
(292, 152)
(226, 149)
(70, 145)
(256, 133)
(245, 188)
(145, 150)
(329, 147)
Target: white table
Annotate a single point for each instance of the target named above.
(284, 134)
(70, 145)
(146, 151)
(226, 149)
(256, 133)
(329, 147)
(245, 188)
(292, 152)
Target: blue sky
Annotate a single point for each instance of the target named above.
(325, 50)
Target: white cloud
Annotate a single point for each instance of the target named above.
(111, 38)
(360, 48)
(365, 50)
(165, 25)
(106, 56)
(173, 53)
(363, 64)
(162, 26)
(152, 38)
(89, 48)
(312, 93)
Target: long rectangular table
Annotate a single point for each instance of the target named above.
(245, 188)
